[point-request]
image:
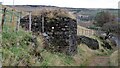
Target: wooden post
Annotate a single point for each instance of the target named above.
(18, 22)
(3, 17)
(13, 22)
(82, 32)
(85, 32)
(77, 18)
(30, 21)
(43, 23)
(90, 32)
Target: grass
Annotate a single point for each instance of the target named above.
(114, 58)
(102, 51)
(18, 50)
(14, 46)
(59, 59)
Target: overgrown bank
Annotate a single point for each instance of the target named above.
(25, 49)
(22, 48)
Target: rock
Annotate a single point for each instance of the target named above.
(106, 42)
(91, 43)
(113, 42)
(106, 45)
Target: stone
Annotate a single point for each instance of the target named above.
(91, 43)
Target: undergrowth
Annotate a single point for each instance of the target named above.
(19, 49)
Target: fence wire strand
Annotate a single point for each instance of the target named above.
(12, 16)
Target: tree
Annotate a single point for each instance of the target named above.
(103, 17)
(111, 28)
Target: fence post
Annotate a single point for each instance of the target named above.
(82, 31)
(43, 23)
(18, 22)
(30, 22)
(13, 23)
(3, 17)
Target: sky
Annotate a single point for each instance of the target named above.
(67, 3)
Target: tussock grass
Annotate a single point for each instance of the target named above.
(14, 48)
(114, 58)
(53, 13)
(59, 59)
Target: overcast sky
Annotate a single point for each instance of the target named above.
(67, 3)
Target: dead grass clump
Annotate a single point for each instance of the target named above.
(114, 59)
(53, 13)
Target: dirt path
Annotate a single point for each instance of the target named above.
(99, 61)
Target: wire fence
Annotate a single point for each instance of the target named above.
(10, 17)
(86, 32)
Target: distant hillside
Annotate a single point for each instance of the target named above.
(32, 7)
(84, 11)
